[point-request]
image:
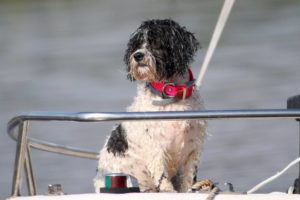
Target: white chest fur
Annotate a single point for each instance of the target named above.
(178, 138)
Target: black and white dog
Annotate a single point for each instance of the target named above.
(161, 155)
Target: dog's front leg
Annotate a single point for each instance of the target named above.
(160, 176)
(163, 184)
(190, 169)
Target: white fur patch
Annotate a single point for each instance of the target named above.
(160, 151)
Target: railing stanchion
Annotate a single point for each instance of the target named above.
(29, 173)
(20, 158)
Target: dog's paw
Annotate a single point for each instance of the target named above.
(203, 185)
(166, 186)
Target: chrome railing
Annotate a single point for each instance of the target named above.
(24, 143)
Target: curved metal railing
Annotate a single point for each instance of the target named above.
(24, 142)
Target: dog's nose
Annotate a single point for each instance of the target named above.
(138, 56)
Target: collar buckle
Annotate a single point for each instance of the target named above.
(163, 90)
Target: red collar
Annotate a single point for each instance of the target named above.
(170, 90)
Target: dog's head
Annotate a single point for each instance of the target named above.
(159, 50)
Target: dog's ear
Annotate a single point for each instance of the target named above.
(184, 48)
(126, 60)
(135, 41)
(190, 45)
(193, 43)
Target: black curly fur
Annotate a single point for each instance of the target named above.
(117, 142)
(171, 44)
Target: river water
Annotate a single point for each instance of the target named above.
(59, 55)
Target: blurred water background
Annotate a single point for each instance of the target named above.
(60, 55)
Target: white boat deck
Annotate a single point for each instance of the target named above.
(161, 196)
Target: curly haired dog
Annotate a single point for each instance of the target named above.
(161, 155)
